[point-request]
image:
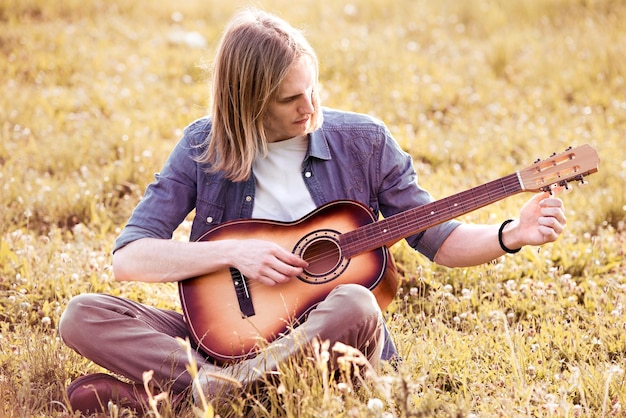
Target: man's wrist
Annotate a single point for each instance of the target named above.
(501, 240)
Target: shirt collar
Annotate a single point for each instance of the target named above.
(318, 145)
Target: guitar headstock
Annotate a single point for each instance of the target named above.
(559, 169)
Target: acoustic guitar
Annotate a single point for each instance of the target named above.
(231, 317)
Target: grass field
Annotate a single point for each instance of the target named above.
(96, 93)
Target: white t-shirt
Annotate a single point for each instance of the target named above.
(281, 194)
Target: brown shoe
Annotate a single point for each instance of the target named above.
(91, 394)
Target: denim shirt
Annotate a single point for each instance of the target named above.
(351, 156)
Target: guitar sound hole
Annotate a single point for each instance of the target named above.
(323, 256)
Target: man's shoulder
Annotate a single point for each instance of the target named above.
(340, 119)
(202, 124)
(198, 130)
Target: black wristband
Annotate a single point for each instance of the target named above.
(504, 247)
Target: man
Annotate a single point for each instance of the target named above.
(269, 151)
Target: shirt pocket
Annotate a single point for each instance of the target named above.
(208, 216)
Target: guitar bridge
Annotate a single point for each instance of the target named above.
(240, 284)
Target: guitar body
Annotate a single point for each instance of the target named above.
(230, 317)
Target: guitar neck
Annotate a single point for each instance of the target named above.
(388, 231)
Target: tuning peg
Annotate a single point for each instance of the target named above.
(580, 179)
(565, 185)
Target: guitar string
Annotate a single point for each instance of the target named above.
(401, 222)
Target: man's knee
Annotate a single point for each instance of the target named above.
(355, 301)
(71, 323)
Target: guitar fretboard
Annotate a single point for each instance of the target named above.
(388, 231)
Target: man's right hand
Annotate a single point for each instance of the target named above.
(267, 262)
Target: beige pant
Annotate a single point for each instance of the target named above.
(128, 338)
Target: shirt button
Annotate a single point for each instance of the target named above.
(248, 198)
(209, 220)
(307, 174)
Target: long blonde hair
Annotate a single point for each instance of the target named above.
(253, 57)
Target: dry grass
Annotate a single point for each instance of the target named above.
(96, 93)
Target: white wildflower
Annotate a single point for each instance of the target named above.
(375, 404)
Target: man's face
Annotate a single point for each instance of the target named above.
(289, 113)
